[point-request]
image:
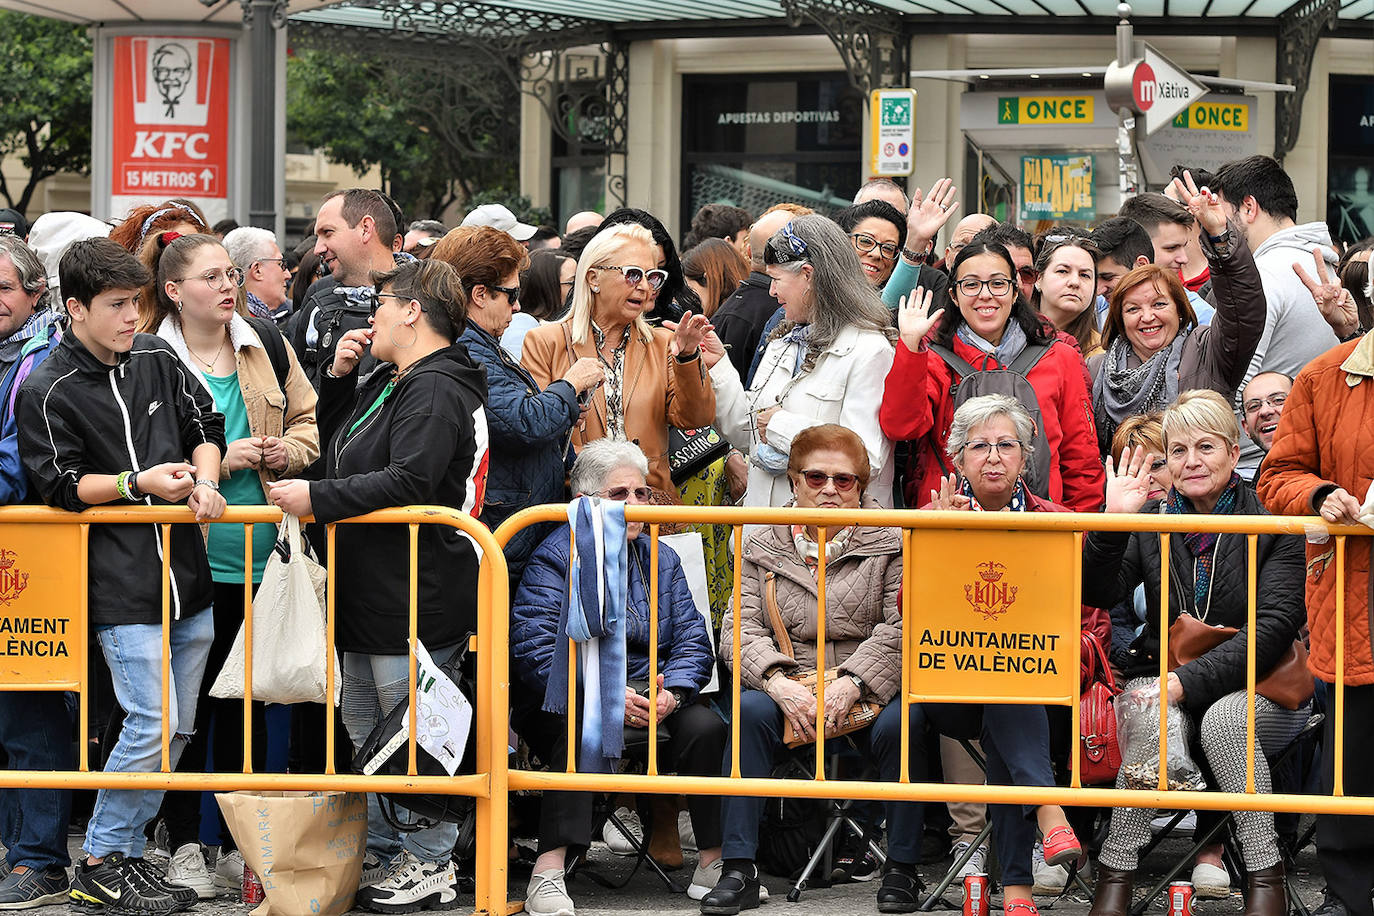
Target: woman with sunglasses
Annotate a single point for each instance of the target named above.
(1154, 347)
(271, 434)
(1066, 285)
(989, 328)
(823, 363)
(878, 233)
(654, 377)
(411, 432)
(691, 736)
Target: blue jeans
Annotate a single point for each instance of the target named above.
(374, 685)
(133, 653)
(36, 733)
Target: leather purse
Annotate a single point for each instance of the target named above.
(861, 715)
(1288, 683)
(1099, 753)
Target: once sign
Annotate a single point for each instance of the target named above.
(1045, 109)
(42, 631)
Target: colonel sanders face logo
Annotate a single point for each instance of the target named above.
(171, 74)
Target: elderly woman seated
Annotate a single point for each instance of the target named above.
(691, 736)
(1207, 576)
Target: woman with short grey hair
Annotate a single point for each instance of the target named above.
(598, 460)
(978, 411)
(824, 363)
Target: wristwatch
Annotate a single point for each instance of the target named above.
(858, 681)
(679, 695)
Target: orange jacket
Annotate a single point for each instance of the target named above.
(1325, 440)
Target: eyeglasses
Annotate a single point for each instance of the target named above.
(621, 494)
(376, 301)
(1005, 448)
(280, 262)
(865, 243)
(1274, 400)
(1026, 274)
(636, 275)
(818, 479)
(972, 286)
(216, 279)
(512, 292)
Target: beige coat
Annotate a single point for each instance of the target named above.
(863, 619)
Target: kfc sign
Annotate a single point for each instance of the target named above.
(171, 119)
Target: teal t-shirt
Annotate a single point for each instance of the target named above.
(224, 545)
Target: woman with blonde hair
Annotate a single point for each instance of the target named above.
(654, 377)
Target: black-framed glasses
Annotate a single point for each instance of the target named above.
(376, 301)
(972, 286)
(865, 243)
(635, 275)
(818, 479)
(1274, 400)
(280, 262)
(512, 292)
(1005, 448)
(216, 279)
(621, 494)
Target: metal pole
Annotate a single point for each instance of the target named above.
(264, 18)
(1128, 170)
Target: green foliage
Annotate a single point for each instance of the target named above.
(45, 99)
(364, 110)
(516, 203)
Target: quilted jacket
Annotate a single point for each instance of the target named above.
(1114, 563)
(863, 617)
(1325, 440)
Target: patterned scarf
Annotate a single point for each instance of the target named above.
(1202, 544)
(810, 551)
(256, 307)
(1119, 392)
(1019, 502)
(615, 380)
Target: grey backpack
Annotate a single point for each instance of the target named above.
(971, 382)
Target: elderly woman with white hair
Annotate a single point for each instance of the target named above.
(1208, 576)
(255, 251)
(691, 736)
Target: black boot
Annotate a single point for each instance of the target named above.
(737, 889)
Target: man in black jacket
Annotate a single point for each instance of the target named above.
(740, 319)
(113, 417)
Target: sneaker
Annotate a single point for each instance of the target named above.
(412, 886)
(704, 879)
(901, 889)
(1211, 881)
(616, 841)
(686, 836)
(1050, 880)
(229, 871)
(159, 846)
(375, 868)
(547, 895)
(1185, 827)
(123, 885)
(856, 862)
(186, 896)
(1331, 905)
(34, 887)
(977, 863)
(188, 869)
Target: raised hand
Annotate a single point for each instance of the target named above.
(688, 334)
(349, 351)
(929, 213)
(948, 496)
(914, 320)
(1333, 300)
(1128, 490)
(1202, 203)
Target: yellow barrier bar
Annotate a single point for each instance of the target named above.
(1075, 607)
(572, 664)
(736, 598)
(414, 613)
(908, 591)
(1165, 559)
(84, 726)
(166, 535)
(330, 652)
(652, 585)
(492, 712)
(1338, 762)
(822, 554)
(247, 649)
(1252, 747)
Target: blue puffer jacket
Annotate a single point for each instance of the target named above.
(684, 649)
(529, 435)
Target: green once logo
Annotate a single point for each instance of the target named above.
(896, 112)
(1009, 110)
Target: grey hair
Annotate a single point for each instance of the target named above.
(599, 459)
(248, 243)
(979, 410)
(840, 295)
(28, 266)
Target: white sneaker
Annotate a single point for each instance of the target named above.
(410, 886)
(977, 862)
(1185, 827)
(1049, 879)
(704, 879)
(188, 869)
(687, 837)
(1211, 881)
(547, 895)
(617, 842)
(375, 868)
(229, 871)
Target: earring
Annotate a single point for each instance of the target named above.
(596, 289)
(414, 335)
(178, 306)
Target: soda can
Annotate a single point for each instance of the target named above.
(253, 893)
(1181, 898)
(976, 894)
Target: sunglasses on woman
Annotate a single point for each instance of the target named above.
(621, 494)
(636, 275)
(818, 479)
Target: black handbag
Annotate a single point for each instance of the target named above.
(690, 450)
(428, 810)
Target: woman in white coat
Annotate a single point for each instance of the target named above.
(824, 363)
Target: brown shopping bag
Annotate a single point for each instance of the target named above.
(306, 847)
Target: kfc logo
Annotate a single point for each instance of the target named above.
(172, 80)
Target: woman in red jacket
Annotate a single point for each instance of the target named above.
(989, 328)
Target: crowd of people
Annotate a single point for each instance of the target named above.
(1199, 353)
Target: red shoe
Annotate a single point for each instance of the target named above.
(1061, 846)
(1019, 908)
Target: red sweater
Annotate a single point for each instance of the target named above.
(917, 406)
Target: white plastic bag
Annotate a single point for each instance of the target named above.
(288, 629)
(1137, 732)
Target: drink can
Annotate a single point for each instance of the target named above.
(1181, 898)
(253, 893)
(976, 894)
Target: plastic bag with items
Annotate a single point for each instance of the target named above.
(1137, 730)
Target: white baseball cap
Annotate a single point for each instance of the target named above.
(499, 217)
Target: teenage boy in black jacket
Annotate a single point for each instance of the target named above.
(112, 417)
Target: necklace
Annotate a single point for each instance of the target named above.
(210, 363)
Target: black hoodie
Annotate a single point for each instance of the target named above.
(78, 416)
(425, 445)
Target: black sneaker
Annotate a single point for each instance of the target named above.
(1331, 905)
(186, 896)
(35, 887)
(856, 862)
(122, 884)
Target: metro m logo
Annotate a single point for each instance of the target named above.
(1147, 92)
